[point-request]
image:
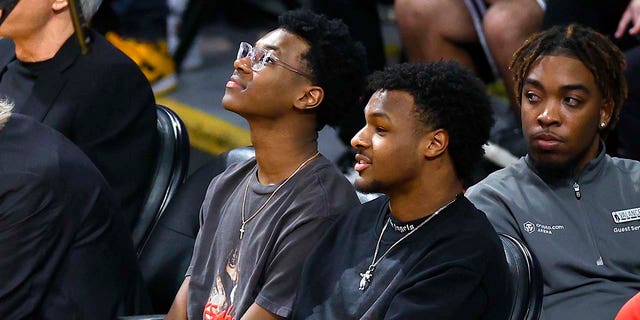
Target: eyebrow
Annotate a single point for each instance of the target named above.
(571, 87)
(568, 87)
(533, 82)
(378, 114)
(269, 47)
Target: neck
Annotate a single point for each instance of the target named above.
(46, 42)
(434, 190)
(281, 149)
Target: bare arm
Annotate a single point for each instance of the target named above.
(178, 309)
(257, 312)
(630, 19)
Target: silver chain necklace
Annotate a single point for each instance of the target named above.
(367, 276)
(246, 190)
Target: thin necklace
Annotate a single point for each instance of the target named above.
(246, 190)
(367, 276)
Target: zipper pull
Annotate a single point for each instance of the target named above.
(576, 189)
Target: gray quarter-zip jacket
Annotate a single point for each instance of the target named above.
(585, 231)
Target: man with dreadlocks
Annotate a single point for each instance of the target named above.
(576, 208)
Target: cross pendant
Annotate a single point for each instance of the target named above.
(366, 279)
(242, 231)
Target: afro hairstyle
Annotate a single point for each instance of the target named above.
(337, 63)
(446, 96)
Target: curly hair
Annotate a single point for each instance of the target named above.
(448, 96)
(337, 63)
(603, 59)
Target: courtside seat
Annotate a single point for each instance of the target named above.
(170, 172)
(526, 284)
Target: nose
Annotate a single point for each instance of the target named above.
(360, 140)
(550, 115)
(242, 65)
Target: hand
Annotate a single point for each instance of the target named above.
(631, 16)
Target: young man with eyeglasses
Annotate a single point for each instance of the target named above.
(260, 218)
(422, 251)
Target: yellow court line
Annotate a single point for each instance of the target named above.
(206, 132)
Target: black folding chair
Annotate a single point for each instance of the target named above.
(170, 172)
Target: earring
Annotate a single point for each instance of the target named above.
(602, 125)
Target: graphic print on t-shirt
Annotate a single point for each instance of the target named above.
(222, 295)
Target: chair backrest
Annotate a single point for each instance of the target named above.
(165, 256)
(171, 170)
(526, 280)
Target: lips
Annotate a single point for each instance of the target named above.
(234, 82)
(362, 163)
(546, 141)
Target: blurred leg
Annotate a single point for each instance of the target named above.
(435, 29)
(507, 24)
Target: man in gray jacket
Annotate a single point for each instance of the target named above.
(575, 207)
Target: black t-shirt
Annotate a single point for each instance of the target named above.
(17, 81)
(453, 267)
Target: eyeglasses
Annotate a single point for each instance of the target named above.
(260, 58)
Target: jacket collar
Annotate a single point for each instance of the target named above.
(50, 82)
(63, 59)
(67, 55)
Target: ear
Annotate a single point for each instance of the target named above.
(311, 98)
(606, 112)
(435, 143)
(59, 5)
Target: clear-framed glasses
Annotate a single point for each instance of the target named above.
(260, 58)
